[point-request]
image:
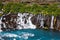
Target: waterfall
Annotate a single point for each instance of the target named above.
(29, 23)
(26, 21)
(2, 18)
(21, 21)
(41, 20)
(42, 23)
(0, 25)
(52, 19)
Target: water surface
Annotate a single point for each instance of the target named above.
(30, 34)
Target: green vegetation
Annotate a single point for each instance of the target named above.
(51, 9)
(1, 6)
(6, 8)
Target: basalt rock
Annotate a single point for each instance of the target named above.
(9, 21)
(58, 23)
(47, 21)
(26, 20)
(37, 20)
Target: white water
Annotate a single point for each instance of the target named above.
(4, 25)
(41, 20)
(24, 21)
(23, 35)
(9, 35)
(0, 25)
(42, 23)
(14, 39)
(21, 21)
(29, 23)
(52, 22)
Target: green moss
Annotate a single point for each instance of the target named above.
(46, 28)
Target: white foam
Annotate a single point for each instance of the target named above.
(23, 35)
(10, 35)
(0, 30)
(27, 35)
(14, 39)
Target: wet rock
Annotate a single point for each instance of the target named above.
(26, 20)
(9, 21)
(58, 23)
(47, 21)
(38, 20)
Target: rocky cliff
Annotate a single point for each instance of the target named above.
(29, 21)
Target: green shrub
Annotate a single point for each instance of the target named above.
(1, 5)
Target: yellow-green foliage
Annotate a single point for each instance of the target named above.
(1, 5)
(1, 14)
(51, 9)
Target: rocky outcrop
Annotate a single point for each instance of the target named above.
(58, 23)
(30, 21)
(9, 21)
(38, 20)
(47, 21)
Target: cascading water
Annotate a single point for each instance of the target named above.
(19, 21)
(0, 25)
(52, 19)
(29, 23)
(25, 18)
(41, 20)
(25, 21)
(42, 23)
(22, 18)
(4, 25)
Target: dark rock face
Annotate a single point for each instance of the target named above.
(39, 20)
(36, 20)
(58, 23)
(9, 20)
(47, 21)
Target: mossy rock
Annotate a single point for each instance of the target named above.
(46, 28)
(1, 14)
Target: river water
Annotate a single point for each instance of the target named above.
(30, 34)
